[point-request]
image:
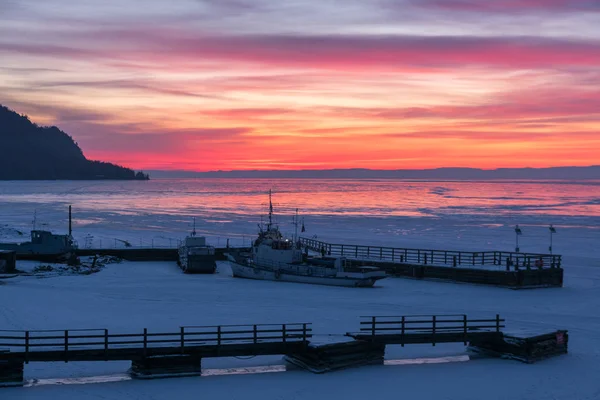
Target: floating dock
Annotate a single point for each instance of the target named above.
(497, 268)
(180, 352)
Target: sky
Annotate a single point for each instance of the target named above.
(310, 84)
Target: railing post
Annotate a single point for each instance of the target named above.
(219, 336)
(283, 332)
(465, 329)
(418, 256)
(454, 264)
(445, 257)
(473, 258)
(497, 322)
(392, 254)
(433, 336)
(425, 259)
(304, 338)
(403, 325)
(255, 335)
(66, 345)
(342, 250)
(106, 344)
(27, 347)
(381, 253)
(145, 341)
(373, 326)
(182, 339)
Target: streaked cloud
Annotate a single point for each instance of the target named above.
(258, 84)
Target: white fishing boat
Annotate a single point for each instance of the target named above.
(277, 258)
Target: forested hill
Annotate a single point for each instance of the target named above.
(29, 151)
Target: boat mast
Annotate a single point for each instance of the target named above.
(270, 211)
(194, 227)
(296, 227)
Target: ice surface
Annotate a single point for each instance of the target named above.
(130, 296)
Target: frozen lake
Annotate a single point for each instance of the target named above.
(132, 296)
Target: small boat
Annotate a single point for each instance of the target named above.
(195, 256)
(45, 245)
(277, 258)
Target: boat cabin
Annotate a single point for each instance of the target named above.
(47, 238)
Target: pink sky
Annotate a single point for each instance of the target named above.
(241, 84)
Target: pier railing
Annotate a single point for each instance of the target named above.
(426, 328)
(450, 258)
(67, 342)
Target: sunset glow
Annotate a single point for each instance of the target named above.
(306, 84)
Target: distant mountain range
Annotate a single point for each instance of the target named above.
(32, 152)
(562, 173)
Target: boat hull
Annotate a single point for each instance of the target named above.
(198, 264)
(248, 272)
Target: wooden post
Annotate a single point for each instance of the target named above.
(433, 336)
(145, 342)
(465, 329)
(219, 336)
(425, 259)
(403, 324)
(473, 258)
(373, 326)
(283, 332)
(66, 345)
(497, 322)
(445, 257)
(342, 250)
(418, 256)
(454, 264)
(255, 335)
(182, 339)
(304, 338)
(106, 344)
(459, 259)
(27, 347)
(392, 254)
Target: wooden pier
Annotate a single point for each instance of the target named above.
(179, 353)
(498, 268)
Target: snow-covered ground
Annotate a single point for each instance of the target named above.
(132, 296)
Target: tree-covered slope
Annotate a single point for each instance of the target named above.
(29, 151)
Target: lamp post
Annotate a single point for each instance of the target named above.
(552, 232)
(518, 233)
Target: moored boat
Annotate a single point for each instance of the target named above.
(277, 258)
(195, 256)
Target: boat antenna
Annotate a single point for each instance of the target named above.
(34, 218)
(70, 222)
(194, 227)
(270, 211)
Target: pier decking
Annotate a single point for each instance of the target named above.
(498, 268)
(179, 353)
